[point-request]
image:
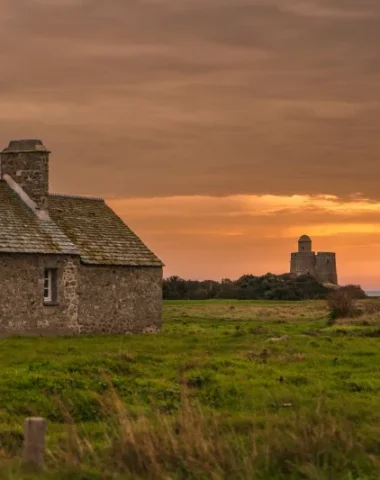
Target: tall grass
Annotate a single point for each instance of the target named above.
(208, 398)
(194, 444)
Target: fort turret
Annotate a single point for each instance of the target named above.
(321, 265)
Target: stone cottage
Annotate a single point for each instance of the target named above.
(68, 264)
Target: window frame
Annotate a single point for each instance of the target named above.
(50, 286)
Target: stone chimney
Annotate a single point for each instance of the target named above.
(27, 162)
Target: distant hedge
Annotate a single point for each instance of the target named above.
(251, 287)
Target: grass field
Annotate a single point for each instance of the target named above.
(212, 396)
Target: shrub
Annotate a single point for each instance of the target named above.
(248, 287)
(341, 304)
(355, 291)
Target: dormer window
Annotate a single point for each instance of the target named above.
(50, 286)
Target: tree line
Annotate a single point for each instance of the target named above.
(251, 287)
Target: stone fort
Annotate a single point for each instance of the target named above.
(321, 265)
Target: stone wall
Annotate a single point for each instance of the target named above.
(120, 299)
(31, 171)
(302, 263)
(90, 299)
(326, 267)
(322, 265)
(22, 309)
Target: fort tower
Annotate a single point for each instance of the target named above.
(321, 265)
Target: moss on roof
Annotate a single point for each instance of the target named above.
(78, 226)
(101, 237)
(22, 232)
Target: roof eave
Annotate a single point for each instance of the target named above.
(118, 264)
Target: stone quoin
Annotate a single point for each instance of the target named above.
(68, 264)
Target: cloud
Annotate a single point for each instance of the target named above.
(213, 237)
(320, 8)
(229, 111)
(247, 205)
(208, 98)
(249, 91)
(251, 216)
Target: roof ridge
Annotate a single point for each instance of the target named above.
(84, 197)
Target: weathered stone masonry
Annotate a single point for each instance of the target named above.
(91, 299)
(22, 309)
(68, 264)
(119, 299)
(29, 168)
(321, 265)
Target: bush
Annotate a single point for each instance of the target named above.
(341, 304)
(355, 291)
(248, 287)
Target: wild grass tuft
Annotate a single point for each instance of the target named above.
(341, 304)
(203, 399)
(195, 444)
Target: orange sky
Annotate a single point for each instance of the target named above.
(215, 237)
(220, 130)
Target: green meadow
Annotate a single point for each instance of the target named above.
(228, 390)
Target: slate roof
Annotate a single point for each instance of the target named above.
(100, 235)
(78, 226)
(21, 231)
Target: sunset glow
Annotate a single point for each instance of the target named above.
(220, 130)
(255, 234)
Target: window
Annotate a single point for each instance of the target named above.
(50, 285)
